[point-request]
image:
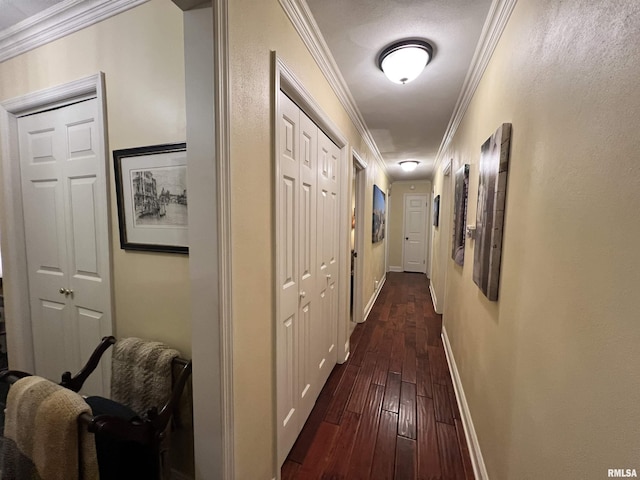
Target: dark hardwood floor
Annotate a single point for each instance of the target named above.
(390, 411)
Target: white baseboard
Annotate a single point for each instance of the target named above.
(396, 269)
(479, 468)
(434, 299)
(373, 298)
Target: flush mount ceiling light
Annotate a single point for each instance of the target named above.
(409, 165)
(403, 61)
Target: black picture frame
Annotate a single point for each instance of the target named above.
(436, 211)
(151, 194)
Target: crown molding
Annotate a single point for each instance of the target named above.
(497, 19)
(302, 19)
(58, 21)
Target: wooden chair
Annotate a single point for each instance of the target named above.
(116, 424)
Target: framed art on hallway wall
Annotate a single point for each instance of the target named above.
(379, 215)
(460, 214)
(151, 190)
(492, 190)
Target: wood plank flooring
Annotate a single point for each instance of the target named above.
(390, 411)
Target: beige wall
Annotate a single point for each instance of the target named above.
(374, 263)
(256, 29)
(141, 53)
(550, 371)
(396, 217)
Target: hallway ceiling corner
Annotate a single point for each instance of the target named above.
(397, 122)
(406, 122)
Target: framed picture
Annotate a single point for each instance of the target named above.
(460, 214)
(436, 211)
(492, 191)
(151, 190)
(379, 215)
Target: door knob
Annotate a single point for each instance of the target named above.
(68, 292)
(62, 291)
(329, 277)
(303, 294)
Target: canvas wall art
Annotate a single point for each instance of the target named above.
(492, 189)
(151, 190)
(379, 215)
(460, 214)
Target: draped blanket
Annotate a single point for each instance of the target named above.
(43, 439)
(141, 373)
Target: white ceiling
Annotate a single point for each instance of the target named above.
(406, 121)
(15, 11)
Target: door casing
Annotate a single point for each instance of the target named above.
(287, 82)
(16, 291)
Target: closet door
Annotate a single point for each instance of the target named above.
(288, 284)
(65, 212)
(310, 385)
(326, 326)
(306, 253)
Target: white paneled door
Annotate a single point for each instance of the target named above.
(415, 233)
(307, 255)
(65, 213)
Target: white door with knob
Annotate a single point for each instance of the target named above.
(415, 233)
(63, 170)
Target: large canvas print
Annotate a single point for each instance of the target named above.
(460, 214)
(492, 189)
(379, 215)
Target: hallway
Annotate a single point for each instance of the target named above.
(390, 410)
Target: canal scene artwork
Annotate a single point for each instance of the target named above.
(160, 196)
(151, 191)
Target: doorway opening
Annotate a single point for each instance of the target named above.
(359, 180)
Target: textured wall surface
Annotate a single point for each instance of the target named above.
(141, 54)
(550, 369)
(256, 29)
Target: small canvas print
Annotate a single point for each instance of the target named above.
(379, 215)
(492, 189)
(436, 211)
(460, 214)
(160, 196)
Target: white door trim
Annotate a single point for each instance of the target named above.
(210, 246)
(16, 290)
(358, 294)
(286, 81)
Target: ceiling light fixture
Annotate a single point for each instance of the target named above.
(403, 61)
(409, 165)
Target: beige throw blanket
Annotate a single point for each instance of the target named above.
(141, 373)
(43, 438)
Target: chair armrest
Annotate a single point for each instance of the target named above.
(75, 383)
